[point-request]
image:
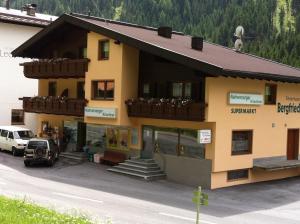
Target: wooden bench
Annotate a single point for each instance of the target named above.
(113, 157)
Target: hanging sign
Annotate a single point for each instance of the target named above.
(246, 99)
(100, 112)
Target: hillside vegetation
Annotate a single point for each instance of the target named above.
(272, 26)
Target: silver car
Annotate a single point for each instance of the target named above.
(41, 150)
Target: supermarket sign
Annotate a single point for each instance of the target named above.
(100, 112)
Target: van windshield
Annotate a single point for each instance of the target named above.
(23, 134)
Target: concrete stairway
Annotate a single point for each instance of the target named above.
(78, 156)
(140, 168)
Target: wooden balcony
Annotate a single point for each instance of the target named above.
(56, 68)
(54, 105)
(170, 109)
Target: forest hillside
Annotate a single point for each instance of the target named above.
(272, 26)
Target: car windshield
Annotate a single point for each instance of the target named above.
(23, 134)
(37, 144)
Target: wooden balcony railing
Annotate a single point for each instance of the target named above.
(56, 68)
(171, 109)
(54, 105)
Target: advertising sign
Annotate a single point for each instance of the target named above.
(246, 99)
(100, 112)
(204, 136)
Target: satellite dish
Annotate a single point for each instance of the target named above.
(239, 32)
(238, 45)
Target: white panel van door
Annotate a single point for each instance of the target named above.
(10, 141)
(3, 139)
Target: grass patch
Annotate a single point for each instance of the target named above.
(14, 211)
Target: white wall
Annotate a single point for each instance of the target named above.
(13, 83)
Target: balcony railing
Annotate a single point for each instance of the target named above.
(172, 109)
(54, 105)
(56, 68)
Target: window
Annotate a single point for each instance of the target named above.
(177, 89)
(83, 52)
(17, 117)
(103, 90)
(80, 90)
(146, 89)
(182, 90)
(52, 87)
(10, 135)
(103, 51)
(241, 142)
(188, 90)
(237, 174)
(270, 94)
(4, 133)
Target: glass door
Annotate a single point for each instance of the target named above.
(148, 143)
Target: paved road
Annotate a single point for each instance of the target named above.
(89, 189)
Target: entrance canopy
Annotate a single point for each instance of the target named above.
(275, 163)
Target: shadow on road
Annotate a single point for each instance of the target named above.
(222, 202)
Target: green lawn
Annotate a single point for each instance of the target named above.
(21, 212)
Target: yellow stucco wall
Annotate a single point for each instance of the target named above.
(269, 127)
(62, 84)
(104, 70)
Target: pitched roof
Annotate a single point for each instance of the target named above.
(213, 60)
(20, 17)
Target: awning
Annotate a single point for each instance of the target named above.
(275, 163)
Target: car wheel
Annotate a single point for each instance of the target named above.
(27, 163)
(14, 151)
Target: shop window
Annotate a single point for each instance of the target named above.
(190, 145)
(237, 174)
(52, 88)
(17, 117)
(80, 90)
(242, 142)
(96, 138)
(167, 140)
(270, 94)
(103, 51)
(103, 90)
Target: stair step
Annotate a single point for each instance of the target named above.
(150, 172)
(143, 160)
(146, 177)
(141, 163)
(73, 156)
(132, 165)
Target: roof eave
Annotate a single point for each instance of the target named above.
(260, 76)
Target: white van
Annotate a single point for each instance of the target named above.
(14, 139)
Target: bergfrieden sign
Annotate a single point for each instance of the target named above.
(245, 99)
(100, 112)
(288, 108)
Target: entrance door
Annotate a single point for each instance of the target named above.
(148, 143)
(81, 136)
(293, 144)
